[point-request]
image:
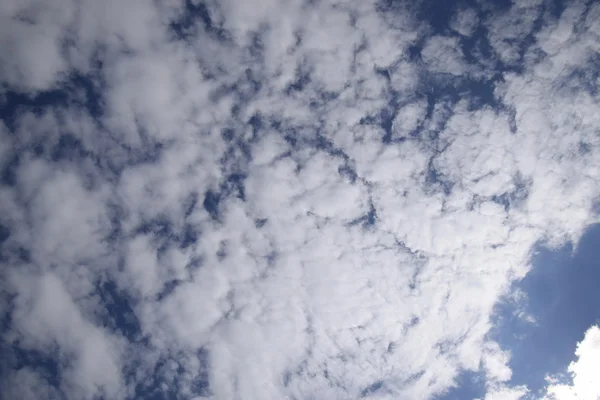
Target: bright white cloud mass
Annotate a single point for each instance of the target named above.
(584, 371)
(261, 199)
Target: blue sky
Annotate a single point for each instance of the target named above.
(299, 199)
(562, 297)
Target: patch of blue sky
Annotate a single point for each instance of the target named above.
(541, 329)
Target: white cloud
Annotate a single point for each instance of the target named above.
(506, 393)
(32, 31)
(465, 21)
(583, 372)
(409, 117)
(444, 55)
(496, 363)
(326, 263)
(46, 317)
(507, 32)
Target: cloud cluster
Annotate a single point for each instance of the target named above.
(583, 372)
(284, 198)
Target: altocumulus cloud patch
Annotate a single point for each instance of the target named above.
(289, 199)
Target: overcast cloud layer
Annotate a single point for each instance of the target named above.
(261, 199)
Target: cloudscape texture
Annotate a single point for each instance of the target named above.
(287, 199)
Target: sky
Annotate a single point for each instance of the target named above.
(290, 199)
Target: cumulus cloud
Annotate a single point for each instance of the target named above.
(33, 31)
(444, 55)
(583, 372)
(506, 393)
(409, 117)
(46, 318)
(215, 200)
(465, 21)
